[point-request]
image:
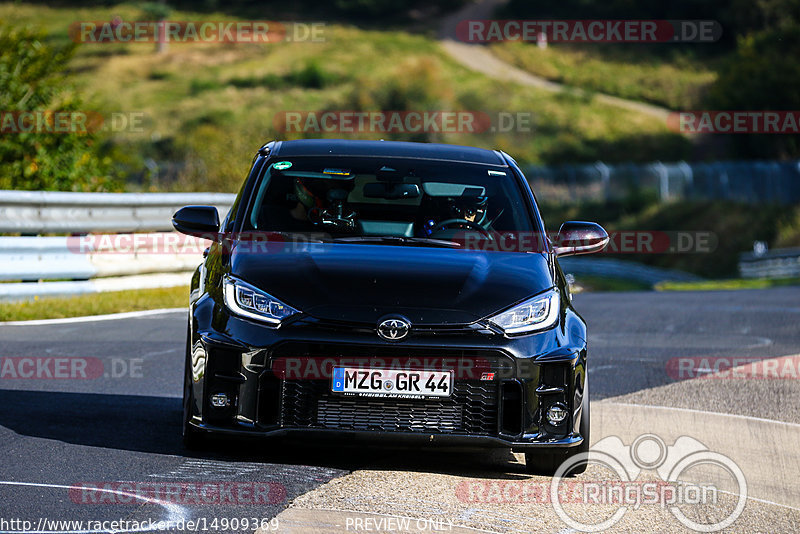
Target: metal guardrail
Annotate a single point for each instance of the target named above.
(93, 256)
(776, 263)
(87, 264)
(749, 182)
(56, 212)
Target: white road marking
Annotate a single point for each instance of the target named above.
(603, 368)
(704, 412)
(765, 501)
(698, 341)
(162, 352)
(93, 318)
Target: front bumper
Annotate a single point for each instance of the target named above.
(465, 441)
(269, 396)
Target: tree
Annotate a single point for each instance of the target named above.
(763, 74)
(158, 12)
(31, 80)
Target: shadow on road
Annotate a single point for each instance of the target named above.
(126, 422)
(152, 425)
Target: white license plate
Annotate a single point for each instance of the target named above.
(391, 382)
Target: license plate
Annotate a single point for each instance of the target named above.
(391, 382)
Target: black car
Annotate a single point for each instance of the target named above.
(387, 290)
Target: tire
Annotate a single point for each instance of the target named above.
(193, 439)
(547, 461)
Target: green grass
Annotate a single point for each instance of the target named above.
(728, 284)
(675, 83)
(589, 283)
(95, 304)
(211, 106)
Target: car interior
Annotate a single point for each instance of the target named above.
(385, 203)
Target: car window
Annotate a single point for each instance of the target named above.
(370, 197)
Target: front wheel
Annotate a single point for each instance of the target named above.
(193, 439)
(547, 461)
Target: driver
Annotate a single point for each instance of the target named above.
(306, 201)
(329, 213)
(469, 208)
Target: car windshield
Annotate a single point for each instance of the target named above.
(388, 201)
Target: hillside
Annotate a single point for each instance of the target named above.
(207, 107)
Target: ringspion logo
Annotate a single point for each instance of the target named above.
(676, 466)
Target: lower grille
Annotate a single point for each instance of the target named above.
(471, 409)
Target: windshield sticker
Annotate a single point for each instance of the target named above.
(282, 165)
(496, 173)
(337, 172)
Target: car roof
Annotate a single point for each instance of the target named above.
(391, 149)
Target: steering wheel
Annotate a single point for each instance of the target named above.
(460, 223)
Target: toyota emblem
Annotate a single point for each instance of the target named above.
(393, 329)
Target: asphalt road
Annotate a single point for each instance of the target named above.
(122, 423)
(636, 339)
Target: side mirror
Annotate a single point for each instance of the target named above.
(199, 221)
(579, 237)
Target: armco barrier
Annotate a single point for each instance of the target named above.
(776, 263)
(56, 212)
(47, 258)
(59, 265)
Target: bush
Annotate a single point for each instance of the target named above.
(310, 76)
(31, 80)
(763, 74)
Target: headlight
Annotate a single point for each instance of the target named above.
(248, 301)
(534, 314)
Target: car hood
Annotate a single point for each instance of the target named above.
(362, 283)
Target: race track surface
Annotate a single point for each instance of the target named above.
(122, 424)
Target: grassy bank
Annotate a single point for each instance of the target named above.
(594, 284)
(95, 304)
(727, 284)
(207, 107)
(673, 82)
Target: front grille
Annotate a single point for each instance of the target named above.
(471, 409)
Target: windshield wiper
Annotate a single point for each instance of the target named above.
(398, 240)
